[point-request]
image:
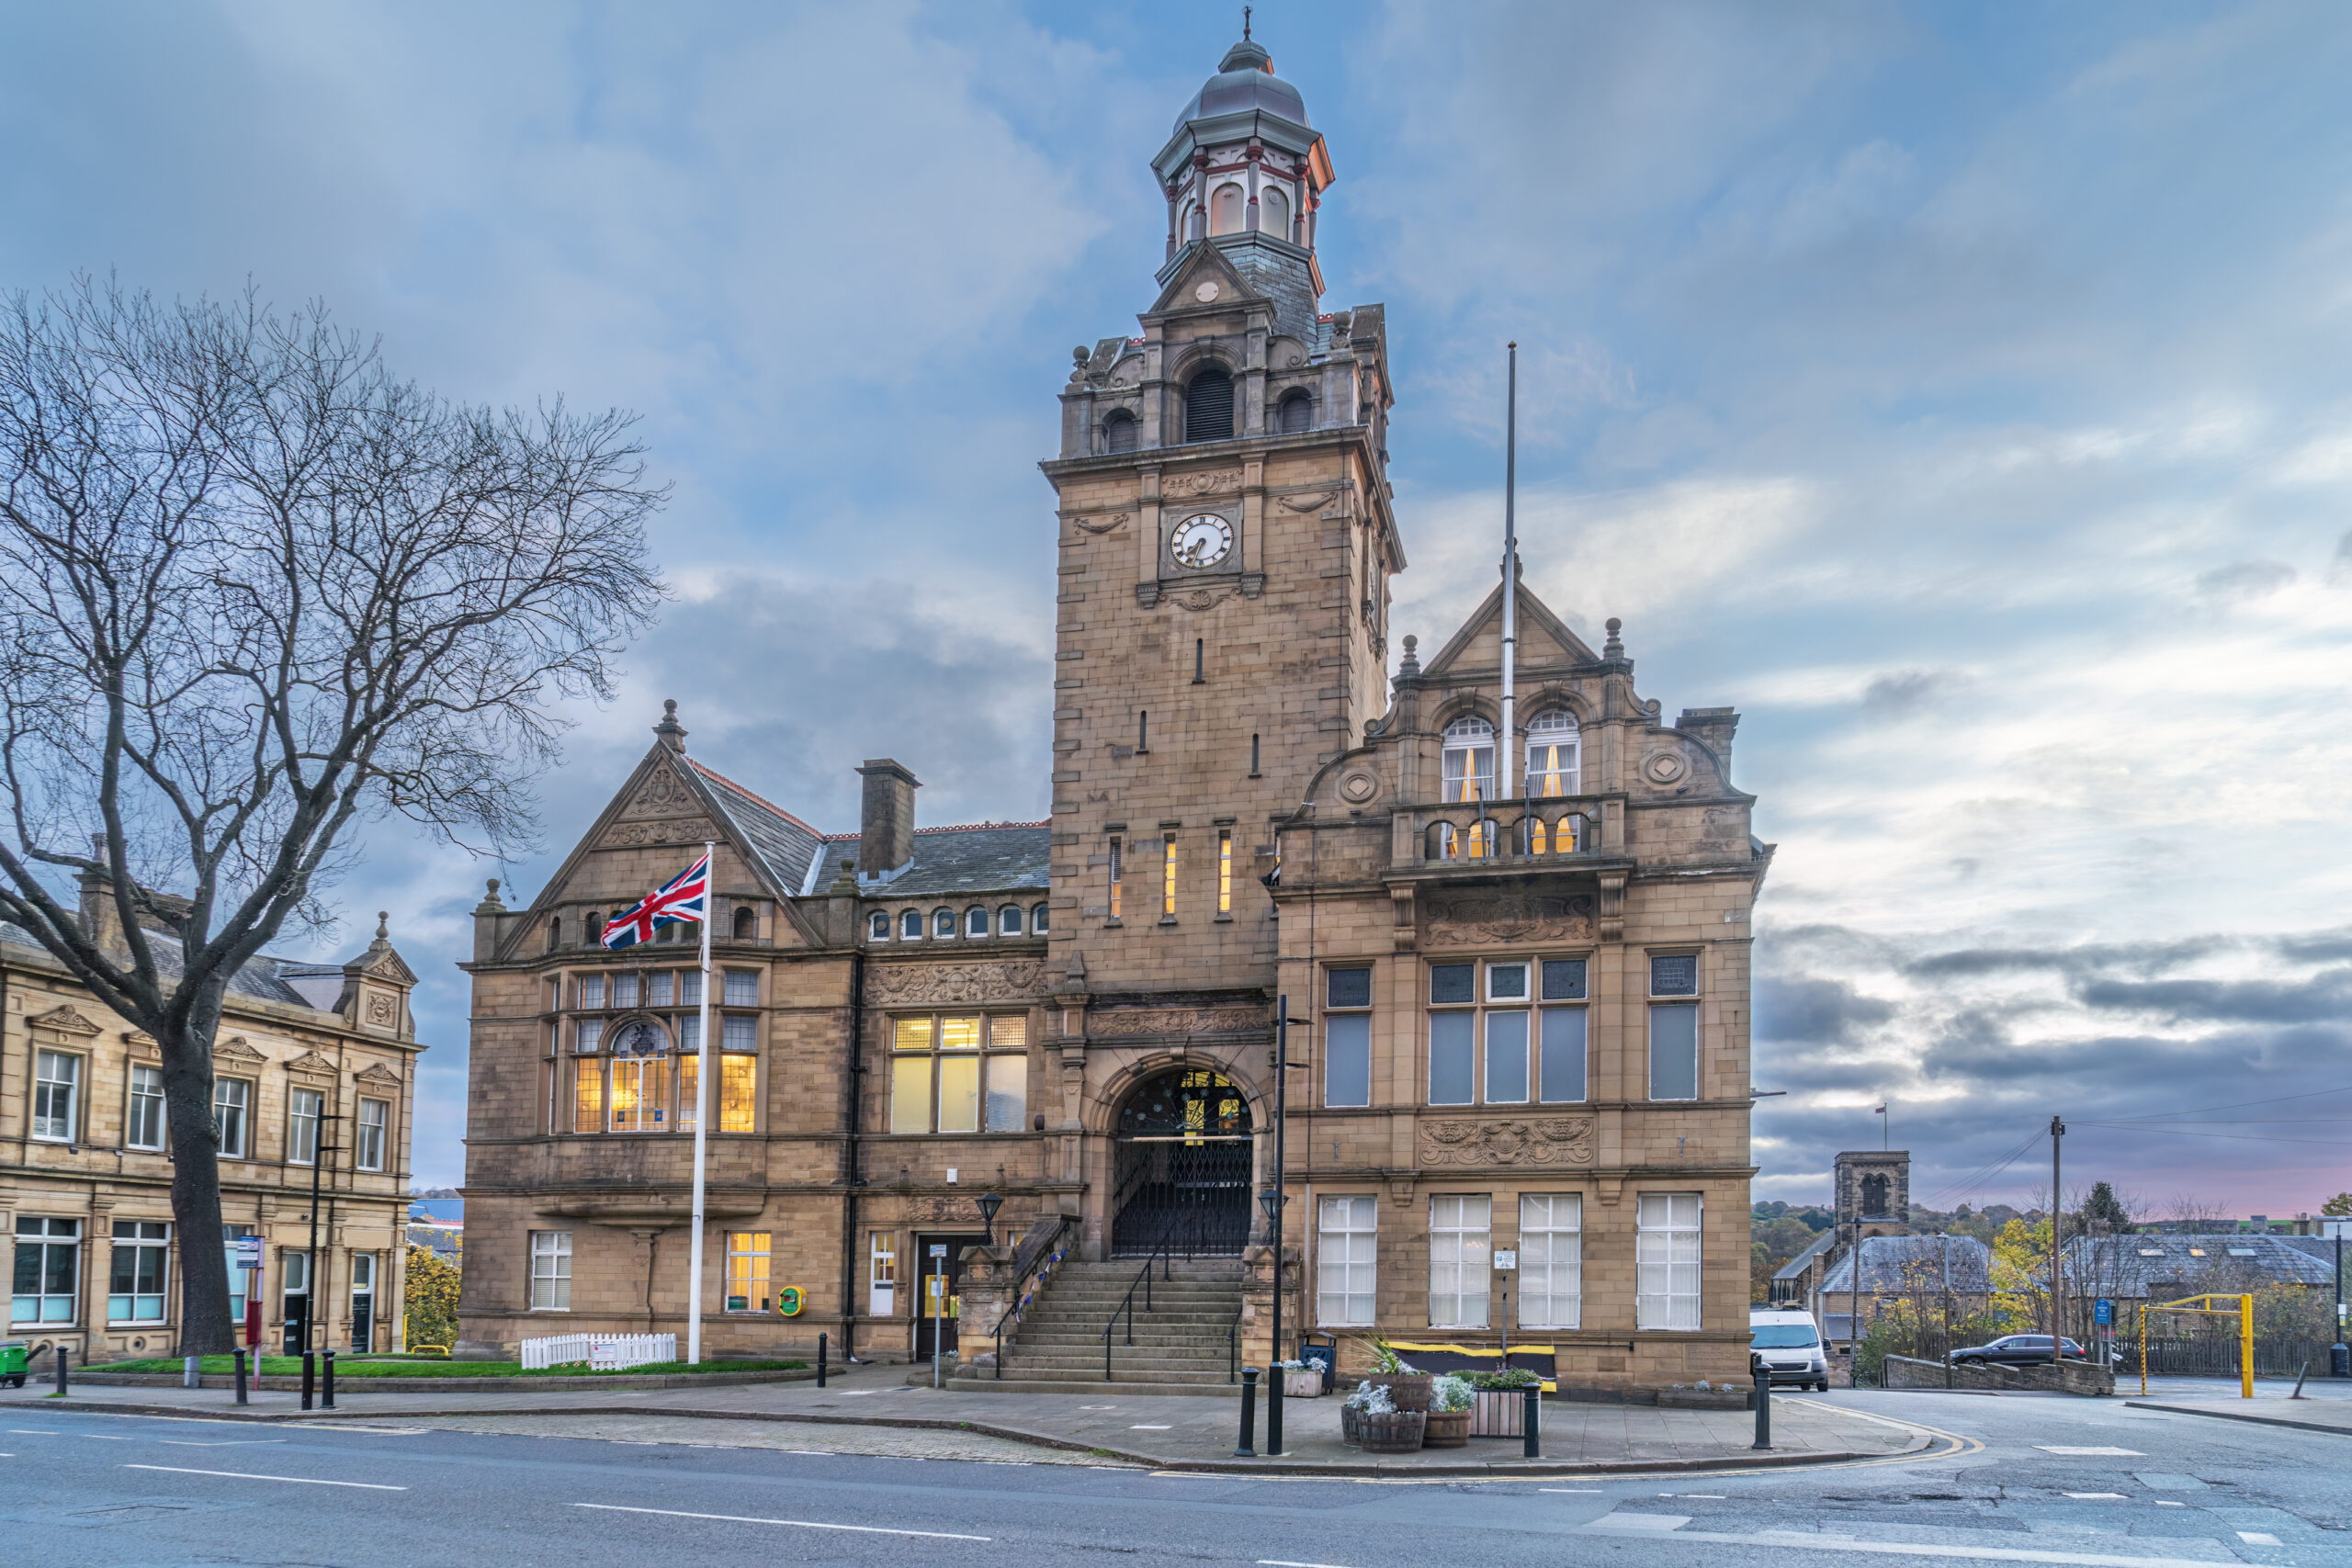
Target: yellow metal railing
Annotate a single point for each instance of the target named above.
(2243, 1309)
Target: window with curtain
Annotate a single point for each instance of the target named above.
(1469, 759)
(1666, 1261)
(1552, 767)
(1347, 1258)
(1461, 1260)
(1551, 1263)
(57, 1093)
(959, 1073)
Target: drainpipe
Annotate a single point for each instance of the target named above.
(854, 1091)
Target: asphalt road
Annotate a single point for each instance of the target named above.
(2153, 1490)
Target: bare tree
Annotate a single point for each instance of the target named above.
(252, 588)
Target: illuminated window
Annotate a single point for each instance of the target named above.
(959, 1073)
(747, 1270)
(1115, 879)
(1168, 877)
(1444, 842)
(1225, 873)
(1552, 764)
(1480, 840)
(588, 1095)
(1537, 839)
(1469, 759)
(640, 1094)
(738, 1086)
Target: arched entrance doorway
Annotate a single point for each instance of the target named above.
(1182, 1166)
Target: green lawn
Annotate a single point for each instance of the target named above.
(434, 1367)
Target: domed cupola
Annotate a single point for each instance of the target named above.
(1245, 172)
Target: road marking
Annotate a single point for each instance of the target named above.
(1804, 1540)
(1576, 1491)
(2096, 1496)
(1285, 1563)
(2088, 1454)
(222, 1443)
(797, 1523)
(1702, 1497)
(246, 1475)
(1151, 1429)
(1640, 1521)
(2259, 1538)
(34, 1432)
(2169, 1503)
(103, 1438)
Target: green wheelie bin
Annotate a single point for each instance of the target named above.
(12, 1362)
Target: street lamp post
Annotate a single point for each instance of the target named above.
(989, 1204)
(1271, 1199)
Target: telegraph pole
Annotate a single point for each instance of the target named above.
(2057, 1224)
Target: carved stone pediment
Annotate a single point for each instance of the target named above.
(663, 794)
(681, 830)
(63, 1019)
(378, 1076)
(1133, 1023)
(1550, 1140)
(311, 1065)
(236, 1049)
(1013, 980)
(1484, 917)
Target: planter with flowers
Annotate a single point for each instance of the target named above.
(1369, 1421)
(1448, 1424)
(1498, 1402)
(1301, 1379)
(1408, 1389)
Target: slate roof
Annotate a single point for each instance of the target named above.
(1796, 1267)
(2128, 1264)
(784, 843)
(986, 857)
(261, 976)
(1896, 1263)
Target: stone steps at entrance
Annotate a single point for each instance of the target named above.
(978, 1382)
(1181, 1343)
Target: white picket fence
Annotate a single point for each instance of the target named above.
(603, 1352)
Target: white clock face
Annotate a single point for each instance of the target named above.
(1203, 540)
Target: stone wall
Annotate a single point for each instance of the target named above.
(2068, 1377)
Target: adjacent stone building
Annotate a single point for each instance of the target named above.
(309, 1059)
(1517, 975)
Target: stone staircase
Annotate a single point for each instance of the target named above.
(1181, 1345)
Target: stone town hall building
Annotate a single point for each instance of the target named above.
(1521, 1002)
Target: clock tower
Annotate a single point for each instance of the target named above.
(1226, 539)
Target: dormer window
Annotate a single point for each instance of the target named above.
(910, 926)
(1551, 759)
(1296, 415)
(1469, 759)
(1118, 432)
(1208, 405)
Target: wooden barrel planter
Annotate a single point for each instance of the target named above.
(1397, 1433)
(1406, 1391)
(1446, 1429)
(1351, 1426)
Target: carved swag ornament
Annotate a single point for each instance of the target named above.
(1564, 1140)
(629, 834)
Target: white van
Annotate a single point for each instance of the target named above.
(1789, 1344)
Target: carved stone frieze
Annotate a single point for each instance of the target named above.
(1211, 484)
(1551, 1140)
(1202, 598)
(663, 793)
(946, 1210)
(1509, 917)
(1132, 1023)
(1305, 503)
(1009, 981)
(630, 835)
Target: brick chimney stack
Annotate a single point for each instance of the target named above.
(886, 827)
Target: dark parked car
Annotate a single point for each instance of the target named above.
(2016, 1350)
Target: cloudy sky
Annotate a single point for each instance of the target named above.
(1960, 390)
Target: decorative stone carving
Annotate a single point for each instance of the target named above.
(1564, 1140)
(1666, 767)
(383, 1009)
(1355, 788)
(235, 1049)
(1100, 525)
(1201, 484)
(888, 983)
(378, 1076)
(1510, 917)
(630, 835)
(662, 793)
(63, 1019)
(310, 1064)
(1202, 598)
(1129, 1023)
(1304, 502)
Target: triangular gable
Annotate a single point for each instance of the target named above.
(380, 1075)
(665, 785)
(1544, 638)
(385, 965)
(235, 1049)
(1206, 264)
(64, 1021)
(310, 1063)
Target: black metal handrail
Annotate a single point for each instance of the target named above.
(1033, 1246)
(1233, 1343)
(1163, 1253)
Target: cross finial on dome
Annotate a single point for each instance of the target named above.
(1245, 22)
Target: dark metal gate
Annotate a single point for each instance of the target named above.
(1183, 1166)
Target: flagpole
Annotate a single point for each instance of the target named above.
(701, 1117)
(1506, 785)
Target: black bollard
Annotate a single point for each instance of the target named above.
(239, 1357)
(1249, 1449)
(1273, 1411)
(64, 1371)
(1530, 1423)
(2339, 1361)
(327, 1387)
(310, 1376)
(821, 1360)
(1763, 1409)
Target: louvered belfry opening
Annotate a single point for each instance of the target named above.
(1119, 433)
(1208, 406)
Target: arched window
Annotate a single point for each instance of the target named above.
(555, 932)
(1442, 842)
(1008, 920)
(592, 929)
(1274, 211)
(746, 923)
(943, 922)
(1190, 229)
(877, 926)
(1224, 209)
(1037, 919)
(1298, 414)
(975, 921)
(1208, 406)
(1118, 431)
(910, 925)
(1552, 754)
(1574, 834)
(1536, 837)
(1469, 759)
(1481, 839)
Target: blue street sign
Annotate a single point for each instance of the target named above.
(2103, 1314)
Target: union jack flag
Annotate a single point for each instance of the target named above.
(686, 896)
